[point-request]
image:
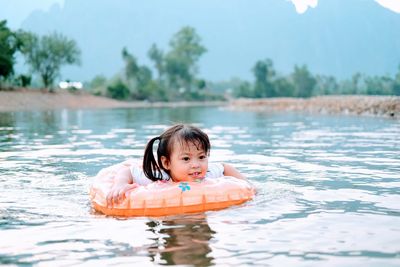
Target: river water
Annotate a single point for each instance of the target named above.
(328, 190)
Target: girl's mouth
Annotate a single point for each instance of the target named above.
(196, 175)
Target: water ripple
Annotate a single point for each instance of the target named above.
(327, 190)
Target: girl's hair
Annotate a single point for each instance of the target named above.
(182, 133)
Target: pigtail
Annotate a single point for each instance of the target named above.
(150, 167)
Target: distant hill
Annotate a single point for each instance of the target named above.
(337, 37)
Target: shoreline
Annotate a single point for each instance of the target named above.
(38, 100)
(362, 105)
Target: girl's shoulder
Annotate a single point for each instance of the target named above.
(138, 175)
(140, 178)
(215, 170)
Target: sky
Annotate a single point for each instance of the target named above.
(302, 5)
(15, 11)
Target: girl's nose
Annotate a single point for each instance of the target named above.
(195, 164)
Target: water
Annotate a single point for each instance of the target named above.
(328, 190)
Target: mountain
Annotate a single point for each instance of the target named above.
(335, 38)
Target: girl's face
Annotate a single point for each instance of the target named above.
(187, 162)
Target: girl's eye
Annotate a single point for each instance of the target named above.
(186, 158)
(202, 157)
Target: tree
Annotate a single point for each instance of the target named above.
(264, 73)
(9, 44)
(98, 85)
(98, 81)
(379, 85)
(181, 60)
(356, 83)
(47, 54)
(326, 85)
(118, 90)
(201, 84)
(138, 77)
(178, 72)
(283, 87)
(143, 79)
(396, 83)
(303, 81)
(157, 56)
(131, 65)
(244, 89)
(131, 69)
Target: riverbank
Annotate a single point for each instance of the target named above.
(25, 99)
(383, 106)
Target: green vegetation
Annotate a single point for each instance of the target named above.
(9, 45)
(302, 83)
(177, 69)
(175, 72)
(118, 90)
(47, 54)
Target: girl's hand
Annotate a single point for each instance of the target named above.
(117, 193)
(123, 183)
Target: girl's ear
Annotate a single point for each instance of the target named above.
(165, 162)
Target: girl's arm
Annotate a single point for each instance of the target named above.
(123, 182)
(229, 170)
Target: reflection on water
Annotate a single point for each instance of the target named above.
(328, 190)
(183, 240)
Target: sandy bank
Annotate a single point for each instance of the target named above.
(20, 100)
(385, 106)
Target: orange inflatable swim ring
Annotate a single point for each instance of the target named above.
(169, 198)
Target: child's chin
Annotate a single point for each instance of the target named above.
(191, 179)
(196, 179)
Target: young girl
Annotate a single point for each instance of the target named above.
(182, 155)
